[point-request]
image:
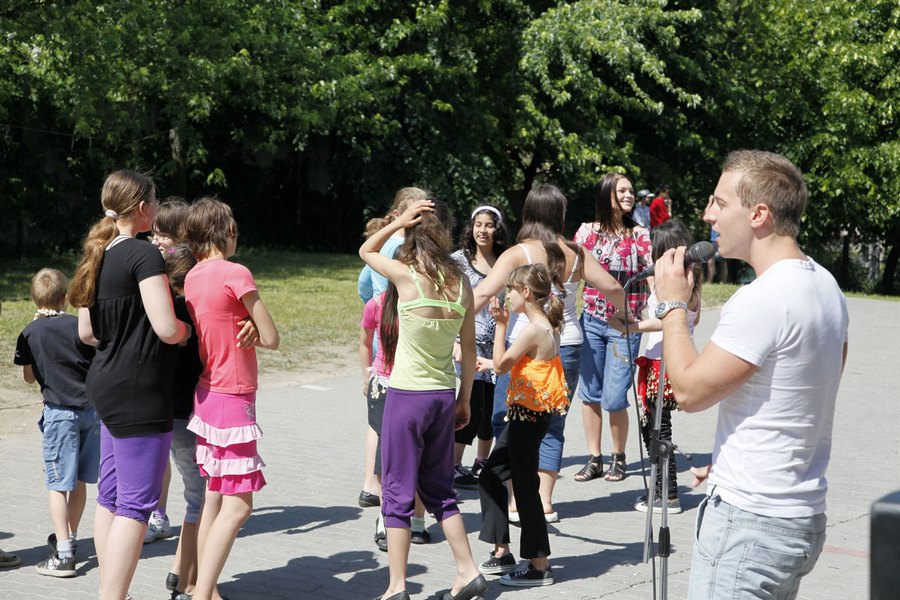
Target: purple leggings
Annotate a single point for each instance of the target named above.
(417, 438)
(131, 472)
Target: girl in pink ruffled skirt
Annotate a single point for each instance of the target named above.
(219, 295)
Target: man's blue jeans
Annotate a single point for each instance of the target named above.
(738, 554)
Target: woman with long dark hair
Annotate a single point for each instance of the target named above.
(623, 249)
(483, 239)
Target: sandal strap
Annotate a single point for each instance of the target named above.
(617, 467)
(592, 470)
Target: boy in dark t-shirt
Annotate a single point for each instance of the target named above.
(51, 353)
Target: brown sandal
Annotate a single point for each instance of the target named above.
(616, 467)
(592, 470)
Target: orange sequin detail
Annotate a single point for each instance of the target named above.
(536, 386)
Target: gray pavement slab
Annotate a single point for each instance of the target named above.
(307, 538)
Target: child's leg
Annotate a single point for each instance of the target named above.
(59, 514)
(185, 562)
(233, 512)
(398, 541)
(524, 443)
(494, 496)
(76, 503)
(401, 450)
(665, 434)
(370, 482)
(139, 465)
(212, 503)
(183, 452)
(106, 497)
(123, 549)
(455, 532)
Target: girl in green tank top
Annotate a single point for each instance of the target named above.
(434, 304)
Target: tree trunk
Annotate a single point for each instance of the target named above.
(844, 277)
(178, 157)
(890, 264)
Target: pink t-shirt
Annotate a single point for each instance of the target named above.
(371, 319)
(213, 290)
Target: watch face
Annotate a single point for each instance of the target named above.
(661, 310)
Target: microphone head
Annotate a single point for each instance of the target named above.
(701, 252)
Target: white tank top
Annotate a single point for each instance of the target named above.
(571, 334)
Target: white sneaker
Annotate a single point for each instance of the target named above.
(673, 506)
(157, 529)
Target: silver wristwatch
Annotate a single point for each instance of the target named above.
(665, 308)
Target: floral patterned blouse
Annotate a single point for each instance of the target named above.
(484, 322)
(623, 256)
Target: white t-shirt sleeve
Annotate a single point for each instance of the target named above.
(750, 339)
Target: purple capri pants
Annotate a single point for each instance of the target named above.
(131, 472)
(417, 437)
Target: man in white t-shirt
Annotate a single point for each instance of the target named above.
(773, 367)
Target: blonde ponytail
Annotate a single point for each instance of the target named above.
(555, 310)
(83, 288)
(123, 191)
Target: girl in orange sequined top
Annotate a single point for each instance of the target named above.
(537, 389)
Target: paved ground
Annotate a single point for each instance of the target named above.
(307, 537)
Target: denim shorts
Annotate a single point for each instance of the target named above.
(552, 444)
(606, 372)
(71, 446)
(184, 453)
(738, 554)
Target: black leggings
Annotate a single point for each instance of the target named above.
(481, 404)
(665, 434)
(515, 456)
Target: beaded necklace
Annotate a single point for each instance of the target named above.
(47, 312)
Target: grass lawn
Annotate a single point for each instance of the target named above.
(312, 298)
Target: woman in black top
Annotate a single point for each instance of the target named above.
(125, 310)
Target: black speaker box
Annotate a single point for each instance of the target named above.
(884, 578)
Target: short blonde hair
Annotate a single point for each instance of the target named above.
(48, 288)
(770, 179)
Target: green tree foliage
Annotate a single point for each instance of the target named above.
(305, 114)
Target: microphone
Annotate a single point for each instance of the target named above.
(698, 253)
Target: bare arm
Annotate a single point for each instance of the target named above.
(157, 301)
(493, 284)
(268, 333)
(85, 329)
(467, 362)
(28, 374)
(366, 337)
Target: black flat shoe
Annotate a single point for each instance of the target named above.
(404, 595)
(474, 589)
(367, 500)
(171, 582)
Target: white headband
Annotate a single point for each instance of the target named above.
(490, 209)
(111, 214)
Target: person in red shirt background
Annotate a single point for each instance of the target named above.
(660, 207)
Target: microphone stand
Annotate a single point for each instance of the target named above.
(660, 451)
